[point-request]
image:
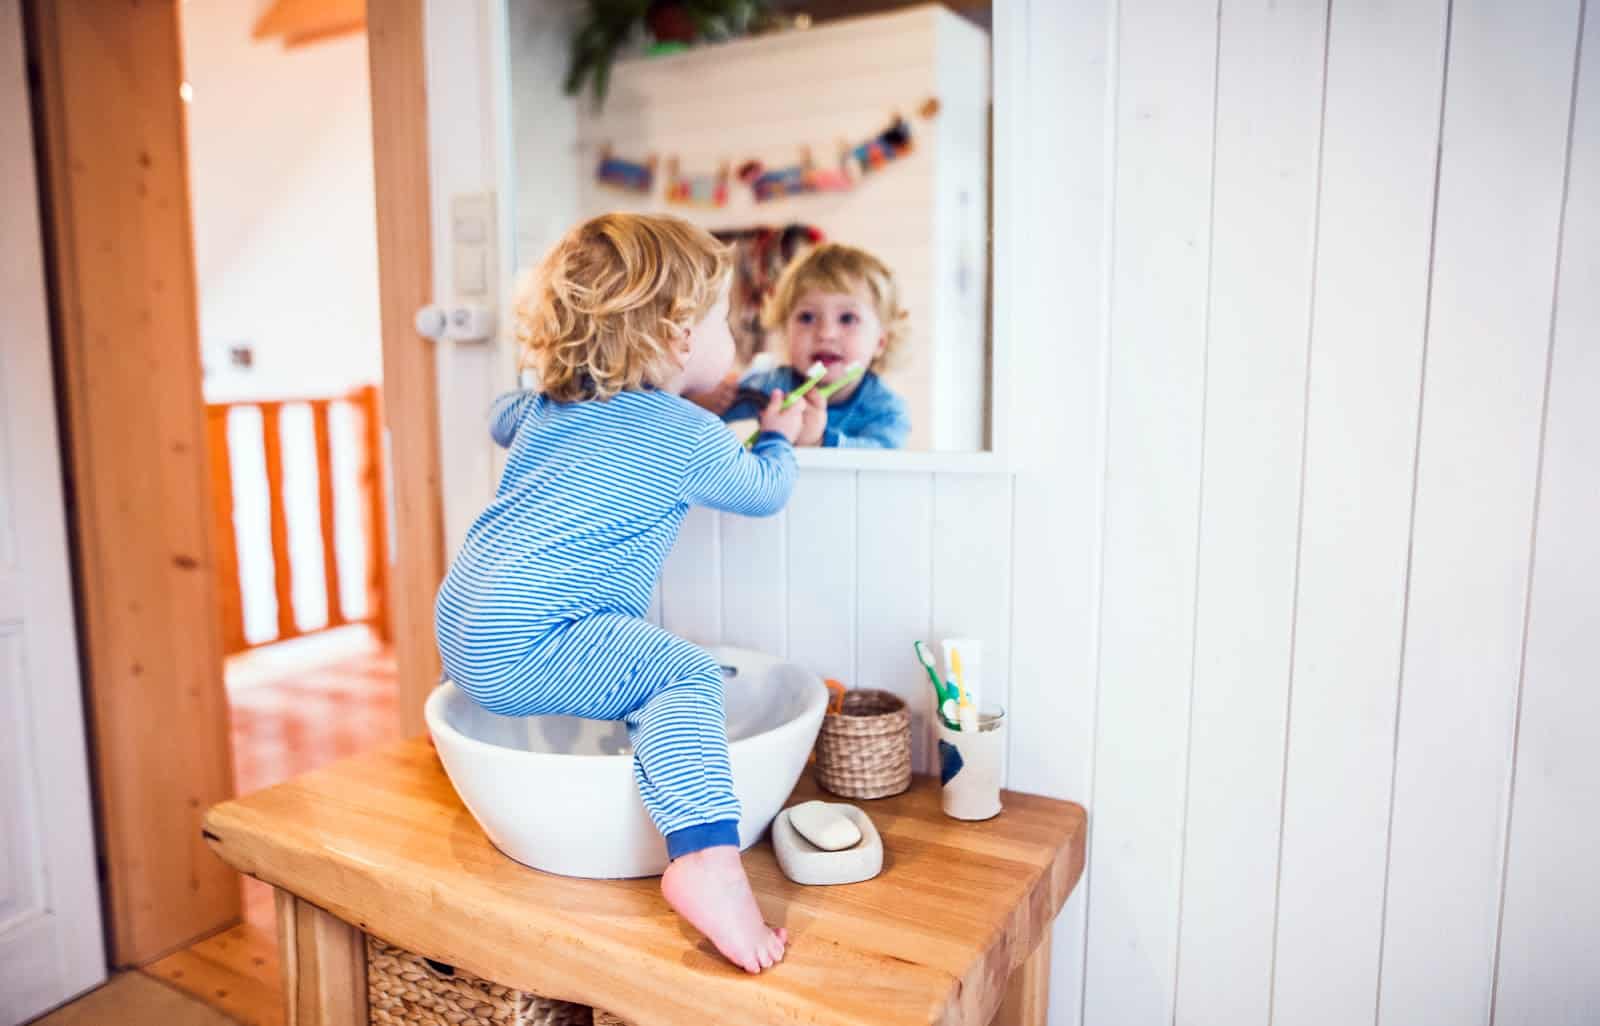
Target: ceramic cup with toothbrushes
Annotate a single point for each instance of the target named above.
(969, 766)
(963, 661)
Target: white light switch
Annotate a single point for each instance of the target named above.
(470, 227)
(468, 314)
(472, 270)
(472, 235)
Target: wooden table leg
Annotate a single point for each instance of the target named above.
(1027, 1000)
(324, 966)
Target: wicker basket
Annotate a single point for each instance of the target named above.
(864, 751)
(405, 989)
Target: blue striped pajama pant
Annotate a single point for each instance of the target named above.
(668, 692)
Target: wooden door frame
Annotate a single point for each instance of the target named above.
(112, 140)
(397, 63)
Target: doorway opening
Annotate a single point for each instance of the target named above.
(280, 153)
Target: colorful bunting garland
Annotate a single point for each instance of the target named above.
(628, 175)
(794, 180)
(697, 190)
(889, 145)
(711, 190)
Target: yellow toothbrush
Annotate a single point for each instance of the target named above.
(967, 715)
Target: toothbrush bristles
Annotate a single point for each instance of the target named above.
(816, 370)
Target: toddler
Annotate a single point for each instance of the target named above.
(837, 306)
(542, 610)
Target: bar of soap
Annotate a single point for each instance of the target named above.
(805, 863)
(824, 826)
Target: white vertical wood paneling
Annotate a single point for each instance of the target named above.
(971, 587)
(1380, 129)
(1139, 572)
(1161, 209)
(691, 581)
(1549, 965)
(1059, 451)
(1269, 104)
(820, 599)
(755, 559)
(1489, 323)
(894, 588)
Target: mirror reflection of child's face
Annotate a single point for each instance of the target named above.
(710, 355)
(835, 329)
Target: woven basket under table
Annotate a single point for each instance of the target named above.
(405, 989)
(864, 750)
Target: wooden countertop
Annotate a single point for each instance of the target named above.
(382, 841)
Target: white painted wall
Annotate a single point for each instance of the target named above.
(1296, 585)
(280, 154)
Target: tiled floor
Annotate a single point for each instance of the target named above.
(332, 696)
(296, 707)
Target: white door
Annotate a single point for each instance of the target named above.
(51, 946)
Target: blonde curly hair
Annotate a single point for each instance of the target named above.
(603, 309)
(832, 267)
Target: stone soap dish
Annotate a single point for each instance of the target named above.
(805, 863)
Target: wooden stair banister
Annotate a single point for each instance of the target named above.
(366, 438)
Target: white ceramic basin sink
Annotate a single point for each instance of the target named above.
(557, 793)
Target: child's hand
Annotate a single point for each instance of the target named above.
(814, 421)
(785, 422)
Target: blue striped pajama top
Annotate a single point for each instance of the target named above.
(589, 504)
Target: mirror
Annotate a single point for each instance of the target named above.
(845, 142)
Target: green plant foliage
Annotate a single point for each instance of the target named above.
(611, 24)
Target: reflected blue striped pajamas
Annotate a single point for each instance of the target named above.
(542, 610)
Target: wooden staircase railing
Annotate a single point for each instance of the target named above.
(366, 488)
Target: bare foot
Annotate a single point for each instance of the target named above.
(709, 888)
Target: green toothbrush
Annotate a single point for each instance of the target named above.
(815, 373)
(940, 689)
(851, 373)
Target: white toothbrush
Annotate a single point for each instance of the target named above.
(814, 373)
